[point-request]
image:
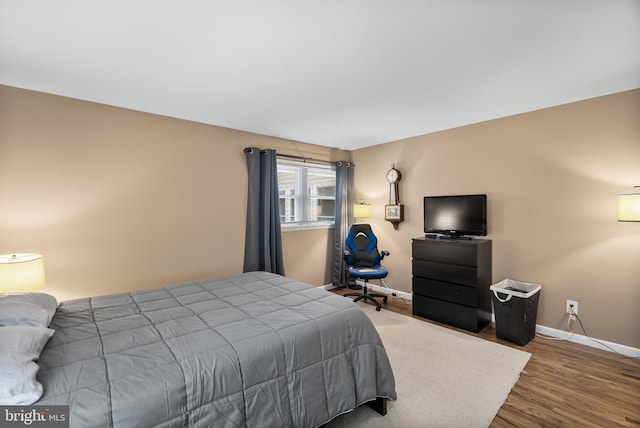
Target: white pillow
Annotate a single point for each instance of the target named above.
(20, 347)
(22, 313)
(35, 309)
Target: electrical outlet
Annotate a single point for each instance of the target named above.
(572, 305)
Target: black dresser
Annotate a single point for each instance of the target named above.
(451, 280)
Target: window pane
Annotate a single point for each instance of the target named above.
(287, 210)
(286, 183)
(325, 209)
(322, 185)
(307, 193)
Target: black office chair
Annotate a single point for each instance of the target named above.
(363, 261)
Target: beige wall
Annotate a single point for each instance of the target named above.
(552, 177)
(118, 200)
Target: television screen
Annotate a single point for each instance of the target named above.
(456, 215)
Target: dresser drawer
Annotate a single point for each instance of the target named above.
(464, 275)
(446, 312)
(454, 293)
(458, 253)
(451, 280)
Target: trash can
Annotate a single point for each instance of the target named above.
(515, 305)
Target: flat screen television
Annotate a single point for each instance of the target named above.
(455, 216)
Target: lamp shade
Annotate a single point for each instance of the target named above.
(21, 272)
(629, 207)
(361, 210)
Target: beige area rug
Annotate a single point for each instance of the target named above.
(444, 378)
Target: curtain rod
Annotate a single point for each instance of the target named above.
(305, 159)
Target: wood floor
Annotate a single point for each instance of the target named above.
(564, 384)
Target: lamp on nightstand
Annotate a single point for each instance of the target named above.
(21, 272)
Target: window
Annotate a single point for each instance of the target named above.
(307, 195)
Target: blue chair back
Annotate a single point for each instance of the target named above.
(362, 247)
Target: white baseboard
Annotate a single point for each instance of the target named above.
(585, 340)
(558, 334)
(386, 290)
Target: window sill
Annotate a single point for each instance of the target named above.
(296, 227)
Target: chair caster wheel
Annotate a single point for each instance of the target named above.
(378, 309)
(384, 300)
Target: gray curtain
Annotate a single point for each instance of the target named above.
(344, 214)
(263, 240)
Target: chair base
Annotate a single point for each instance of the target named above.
(368, 296)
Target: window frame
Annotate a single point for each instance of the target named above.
(302, 200)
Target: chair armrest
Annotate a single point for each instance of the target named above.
(384, 253)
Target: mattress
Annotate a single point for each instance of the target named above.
(248, 350)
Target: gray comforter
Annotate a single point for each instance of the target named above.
(254, 350)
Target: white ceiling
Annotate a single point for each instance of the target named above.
(339, 73)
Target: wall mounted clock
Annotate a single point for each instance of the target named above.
(394, 211)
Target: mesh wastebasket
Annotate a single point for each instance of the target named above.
(515, 305)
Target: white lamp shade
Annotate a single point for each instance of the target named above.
(629, 207)
(21, 272)
(362, 210)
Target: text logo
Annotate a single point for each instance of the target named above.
(34, 416)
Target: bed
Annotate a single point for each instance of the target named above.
(254, 350)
